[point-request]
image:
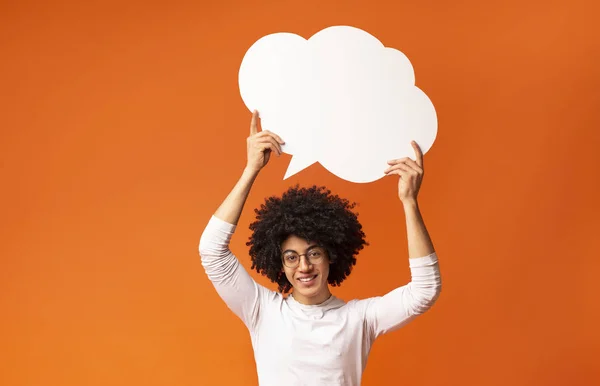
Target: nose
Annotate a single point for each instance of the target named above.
(304, 265)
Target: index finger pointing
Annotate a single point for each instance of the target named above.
(254, 123)
(418, 153)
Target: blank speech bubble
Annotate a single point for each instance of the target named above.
(340, 98)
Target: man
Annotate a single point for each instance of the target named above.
(306, 241)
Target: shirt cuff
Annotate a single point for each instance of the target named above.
(217, 223)
(425, 261)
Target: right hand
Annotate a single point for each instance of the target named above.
(260, 145)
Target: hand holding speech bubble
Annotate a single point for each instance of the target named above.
(340, 98)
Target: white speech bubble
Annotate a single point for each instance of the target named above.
(340, 98)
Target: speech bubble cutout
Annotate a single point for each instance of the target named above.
(340, 98)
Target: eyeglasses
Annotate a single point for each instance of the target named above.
(314, 256)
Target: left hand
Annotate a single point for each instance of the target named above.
(411, 174)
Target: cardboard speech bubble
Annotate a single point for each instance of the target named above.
(340, 98)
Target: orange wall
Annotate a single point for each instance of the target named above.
(122, 129)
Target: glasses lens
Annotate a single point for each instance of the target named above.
(291, 260)
(315, 255)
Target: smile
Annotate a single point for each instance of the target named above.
(307, 279)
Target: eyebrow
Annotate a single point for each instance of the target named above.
(307, 249)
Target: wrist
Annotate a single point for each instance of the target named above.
(250, 172)
(410, 204)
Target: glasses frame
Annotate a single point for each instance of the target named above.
(320, 259)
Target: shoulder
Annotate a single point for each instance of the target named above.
(360, 306)
(268, 296)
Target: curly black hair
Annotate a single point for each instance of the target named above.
(313, 214)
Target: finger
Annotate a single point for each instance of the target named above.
(276, 144)
(254, 123)
(408, 162)
(272, 142)
(400, 166)
(413, 165)
(403, 175)
(399, 160)
(418, 153)
(267, 146)
(265, 133)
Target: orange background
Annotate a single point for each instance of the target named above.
(123, 129)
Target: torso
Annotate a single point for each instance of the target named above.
(310, 345)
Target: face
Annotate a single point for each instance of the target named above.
(308, 279)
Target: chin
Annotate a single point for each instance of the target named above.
(309, 292)
(313, 292)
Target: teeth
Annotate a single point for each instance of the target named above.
(307, 278)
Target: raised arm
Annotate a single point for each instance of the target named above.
(401, 305)
(259, 146)
(411, 175)
(232, 282)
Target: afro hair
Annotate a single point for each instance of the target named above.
(313, 214)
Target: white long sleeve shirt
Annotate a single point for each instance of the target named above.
(324, 344)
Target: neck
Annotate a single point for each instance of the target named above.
(311, 301)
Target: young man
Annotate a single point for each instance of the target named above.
(306, 241)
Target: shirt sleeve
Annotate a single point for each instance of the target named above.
(232, 282)
(398, 307)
